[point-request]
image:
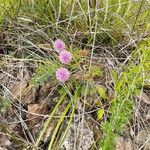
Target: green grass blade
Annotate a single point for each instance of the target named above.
(46, 124)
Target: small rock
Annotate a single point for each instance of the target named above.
(143, 137)
(79, 137)
(122, 144)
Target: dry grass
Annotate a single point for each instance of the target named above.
(116, 36)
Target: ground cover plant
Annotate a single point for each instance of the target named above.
(74, 75)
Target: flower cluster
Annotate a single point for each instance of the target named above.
(59, 45)
(62, 74)
(65, 57)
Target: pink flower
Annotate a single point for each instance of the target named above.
(59, 45)
(65, 57)
(62, 74)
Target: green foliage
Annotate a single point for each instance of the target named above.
(96, 71)
(5, 104)
(43, 72)
(100, 113)
(9, 9)
(114, 17)
(102, 92)
(126, 85)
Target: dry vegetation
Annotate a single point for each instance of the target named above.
(104, 105)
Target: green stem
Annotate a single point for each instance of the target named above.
(137, 16)
(58, 125)
(46, 124)
(70, 120)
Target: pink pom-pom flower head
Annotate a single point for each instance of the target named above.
(62, 74)
(65, 57)
(59, 45)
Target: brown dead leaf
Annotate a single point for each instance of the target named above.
(83, 53)
(33, 108)
(78, 75)
(43, 108)
(18, 89)
(111, 94)
(35, 112)
(10, 110)
(44, 91)
(4, 140)
(143, 97)
(21, 92)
